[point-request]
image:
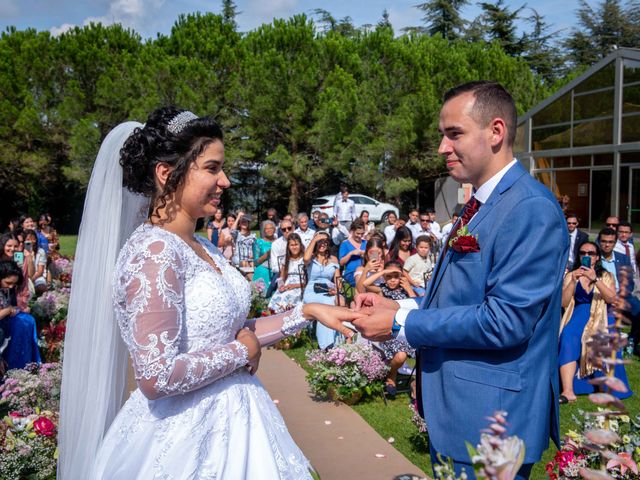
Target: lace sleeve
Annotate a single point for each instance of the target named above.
(153, 329)
(273, 328)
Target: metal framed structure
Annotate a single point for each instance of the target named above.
(584, 141)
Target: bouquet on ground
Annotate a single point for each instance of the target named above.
(259, 303)
(36, 387)
(346, 372)
(61, 269)
(28, 445)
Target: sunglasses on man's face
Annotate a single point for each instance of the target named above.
(611, 224)
(286, 229)
(572, 223)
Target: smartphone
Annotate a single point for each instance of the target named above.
(374, 256)
(585, 261)
(28, 246)
(18, 257)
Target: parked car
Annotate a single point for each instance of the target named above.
(378, 211)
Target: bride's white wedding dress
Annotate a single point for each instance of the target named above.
(210, 418)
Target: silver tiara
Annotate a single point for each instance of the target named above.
(177, 123)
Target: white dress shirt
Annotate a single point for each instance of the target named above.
(572, 242)
(345, 210)
(305, 235)
(277, 253)
(632, 253)
(482, 195)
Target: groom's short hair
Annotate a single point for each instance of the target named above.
(492, 101)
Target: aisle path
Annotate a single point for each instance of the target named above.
(351, 457)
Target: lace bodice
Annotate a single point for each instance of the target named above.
(177, 315)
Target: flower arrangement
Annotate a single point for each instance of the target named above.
(259, 303)
(346, 372)
(464, 242)
(28, 445)
(606, 444)
(32, 388)
(61, 268)
(51, 306)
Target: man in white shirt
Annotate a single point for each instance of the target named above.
(306, 233)
(446, 230)
(344, 209)
(435, 226)
(390, 230)
(279, 247)
(624, 245)
(425, 228)
(414, 223)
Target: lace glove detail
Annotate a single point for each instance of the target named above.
(294, 321)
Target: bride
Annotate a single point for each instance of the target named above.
(181, 309)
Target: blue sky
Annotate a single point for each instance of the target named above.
(151, 16)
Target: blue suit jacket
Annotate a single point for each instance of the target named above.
(623, 260)
(488, 328)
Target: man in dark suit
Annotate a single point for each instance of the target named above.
(576, 239)
(487, 330)
(613, 261)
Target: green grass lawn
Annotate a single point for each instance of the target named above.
(394, 419)
(68, 244)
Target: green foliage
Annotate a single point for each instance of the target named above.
(303, 106)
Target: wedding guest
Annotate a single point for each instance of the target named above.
(304, 231)
(624, 245)
(314, 219)
(446, 230)
(215, 227)
(12, 248)
(576, 238)
(369, 227)
(374, 254)
(390, 231)
(45, 227)
(400, 249)
(279, 247)
(263, 251)
(389, 221)
(39, 277)
(226, 242)
(243, 240)
(396, 286)
(351, 251)
(419, 265)
(323, 271)
(344, 209)
(16, 324)
(27, 223)
(586, 292)
(289, 291)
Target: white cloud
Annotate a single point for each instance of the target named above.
(129, 13)
(402, 18)
(55, 31)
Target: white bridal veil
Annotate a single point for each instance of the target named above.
(94, 370)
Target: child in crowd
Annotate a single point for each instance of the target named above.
(396, 286)
(374, 254)
(419, 266)
(289, 291)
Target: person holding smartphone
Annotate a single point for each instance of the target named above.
(12, 248)
(39, 277)
(586, 292)
(374, 254)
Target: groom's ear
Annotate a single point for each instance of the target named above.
(163, 170)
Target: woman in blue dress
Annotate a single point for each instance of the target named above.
(586, 293)
(351, 251)
(322, 273)
(19, 326)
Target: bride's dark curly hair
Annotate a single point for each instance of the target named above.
(153, 143)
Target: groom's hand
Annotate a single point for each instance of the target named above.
(363, 300)
(377, 324)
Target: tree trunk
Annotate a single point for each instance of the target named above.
(293, 198)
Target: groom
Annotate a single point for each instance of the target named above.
(487, 331)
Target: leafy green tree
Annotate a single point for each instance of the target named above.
(498, 22)
(443, 17)
(540, 49)
(229, 13)
(607, 26)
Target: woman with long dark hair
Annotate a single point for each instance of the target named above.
(586, 293)
(400, 249)
(181, 310)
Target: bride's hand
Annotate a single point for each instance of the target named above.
(332, 316)
(364, 300)
(249, 340)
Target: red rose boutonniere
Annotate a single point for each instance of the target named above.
(463, 242)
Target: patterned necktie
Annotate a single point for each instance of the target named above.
(470, 209)
(627, 250)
